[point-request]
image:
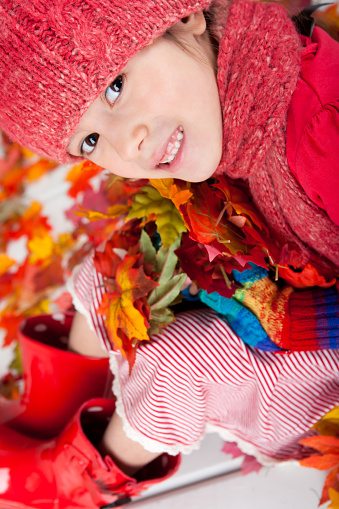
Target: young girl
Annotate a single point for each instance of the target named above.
(146, 91)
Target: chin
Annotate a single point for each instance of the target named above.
(201, 176)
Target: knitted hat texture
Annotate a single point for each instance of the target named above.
(57, 57)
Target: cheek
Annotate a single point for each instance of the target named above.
(122, 169)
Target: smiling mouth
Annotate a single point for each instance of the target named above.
(173, 147)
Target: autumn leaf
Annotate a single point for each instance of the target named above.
(80, 176)
(40, 248)
(334, 497)
(147, 248)
(122, 315)
(331, 482)
(327, 443)
(39, 168)
(323, 444)
(151, 205)
(10, 321)
(320, 461)
(112, 212)
(38, 281)
(169, 285)
(5, 263)
(168, 189)
(249, 464)
(239, 201)
(106, 262)
(31, 223)
(120, 309)
(329, 423)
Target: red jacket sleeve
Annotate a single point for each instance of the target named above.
(312, 137)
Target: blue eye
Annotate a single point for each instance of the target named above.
(89, 143)
(113, 91)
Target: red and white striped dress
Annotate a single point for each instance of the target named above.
(198, 376)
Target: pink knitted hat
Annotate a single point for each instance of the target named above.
(57, 56)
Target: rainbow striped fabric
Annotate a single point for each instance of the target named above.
(272, 318)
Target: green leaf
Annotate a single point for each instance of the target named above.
(166, 262)
(163, 295)
(160, 318)
(149, 202)
(147, 248)
(162, 315)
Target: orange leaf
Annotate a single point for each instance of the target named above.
(321, 462)
(112, 212)
(331, 481)
(126, 322)
(36, 170)
(10, 322)
(239, 201)
(324, 444)
(5, 263)
(309, 276)
(80, 175)
(168, 189)
(123, 315)
(133, 283)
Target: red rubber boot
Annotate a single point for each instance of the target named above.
(68, 472)
(56, 381)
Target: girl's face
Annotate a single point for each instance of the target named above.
(161, 116)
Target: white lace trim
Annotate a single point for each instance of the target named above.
(245, 446)
(158, 447)
(77, 303)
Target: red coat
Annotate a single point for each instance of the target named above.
(312, 136)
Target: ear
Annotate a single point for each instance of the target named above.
(194, 23)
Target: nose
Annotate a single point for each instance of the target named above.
(129, 137)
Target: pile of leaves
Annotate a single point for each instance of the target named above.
(141, 282)
(326, 455)
(34, 282)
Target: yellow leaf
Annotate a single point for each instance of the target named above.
(123, 315)
(43, 307)
(5, 263)
(169, 190)
(112, 212)
(162, 185)
(329, 423)
(169, 222)
(334, 496)
(41, 248)
(332, 414)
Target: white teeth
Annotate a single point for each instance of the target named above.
(173, 147)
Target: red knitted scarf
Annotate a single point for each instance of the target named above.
(259, 62)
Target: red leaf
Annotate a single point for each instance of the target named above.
(331, 481)
(10, 322)
(250, 464)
